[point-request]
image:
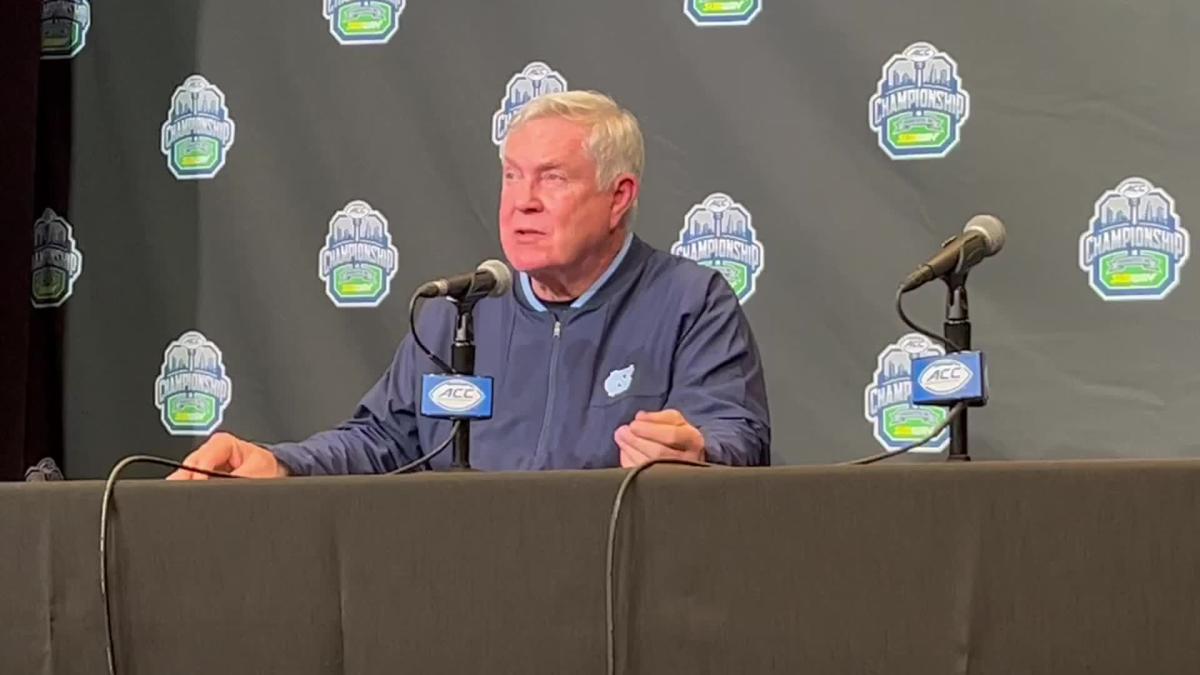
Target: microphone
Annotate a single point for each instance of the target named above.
(491, 278)
(982, 237)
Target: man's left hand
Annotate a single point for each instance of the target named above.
(659, 435)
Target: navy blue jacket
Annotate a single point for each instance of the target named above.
(656, 331)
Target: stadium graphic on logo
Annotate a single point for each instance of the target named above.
(192, 390)
(537, 79)
(718, 233)
(65, 25)
(57, 262)
(358, 261)
(363, 22)
(198, 132)
(1135, 246)
(919, 106)
(887, 400)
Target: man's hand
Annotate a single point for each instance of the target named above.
(230, 454)
(659, 435)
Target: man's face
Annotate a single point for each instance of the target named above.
(552, 215)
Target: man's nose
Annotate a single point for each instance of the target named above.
(526, 197)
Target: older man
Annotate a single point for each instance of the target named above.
(608, 352)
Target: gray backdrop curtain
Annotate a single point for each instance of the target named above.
(1067, 99)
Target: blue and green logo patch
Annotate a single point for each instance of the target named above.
(198, 132)
(358, 260)
(192, 390)
(363, 22)
(1135, 245)
(718, 233)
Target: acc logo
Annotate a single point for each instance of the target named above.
(363, 22)
(456, 395)
(919, 106)
(717, 233)
(1134, 246)
(57, 262)
(945, 377)
(198, 131)
(65, 25)
(887, 400)
(537, 79)
(192, 389)
(722, 12)
(618, 381)
(358, 260)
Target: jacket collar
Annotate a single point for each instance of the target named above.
(622, 268)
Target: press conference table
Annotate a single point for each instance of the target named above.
(983, 568)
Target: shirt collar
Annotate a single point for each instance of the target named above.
(535, 303)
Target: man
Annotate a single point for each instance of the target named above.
(607, 352)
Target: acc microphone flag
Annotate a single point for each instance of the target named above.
(456, 397)
(949, 379)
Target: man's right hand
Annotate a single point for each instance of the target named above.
(229, 454)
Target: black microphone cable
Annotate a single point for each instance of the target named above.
(949, 344)
(955, 411)
(412, 327)
(427, 457)
(611, 553)
(618, 501)
(104, 519)
(106, 507)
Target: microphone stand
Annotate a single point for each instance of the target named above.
(957, 330)
(462, 361)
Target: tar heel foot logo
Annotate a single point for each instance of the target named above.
(198, 132)
(887, 400)
(57, 262)
(363, 22)
(717, 233)
(192, 389)
(65, 25)
(1135, 246)
(456, 397)
(618, 381)
(358, 261)
(919, 106)
(722, 12)
(537, 79)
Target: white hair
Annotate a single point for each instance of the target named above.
(615, 143)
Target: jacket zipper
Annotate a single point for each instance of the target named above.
(550, 388)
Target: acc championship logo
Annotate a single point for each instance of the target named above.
(1134, 246)
(887, 400)
(198, 131)
(57, 262)
(717, 233)
(537, 79)
(192, 389)
(358, 260)
(363, 22)
(65, 25)
(722, 12)
(919, 106)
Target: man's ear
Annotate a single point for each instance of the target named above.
(625, 193)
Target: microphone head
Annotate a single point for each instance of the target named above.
(991, 229)
(501, 273)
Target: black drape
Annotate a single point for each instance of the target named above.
(34, 173)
